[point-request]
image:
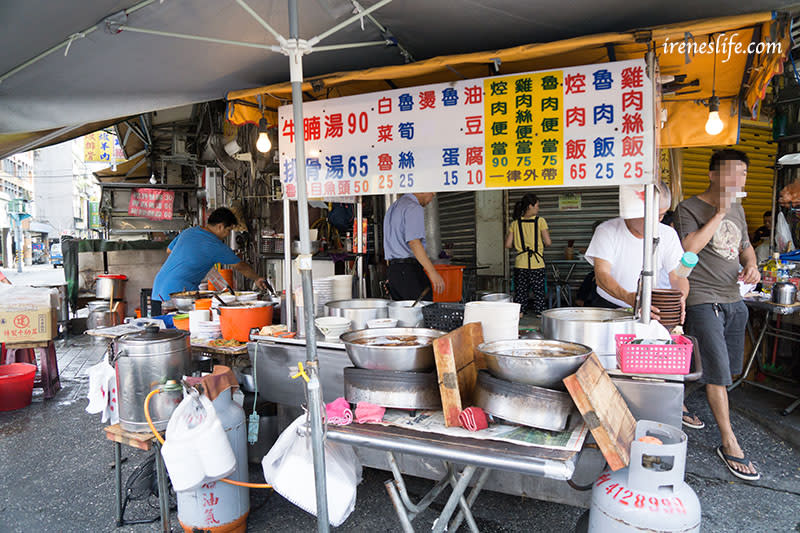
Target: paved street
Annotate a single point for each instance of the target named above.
(35, 275)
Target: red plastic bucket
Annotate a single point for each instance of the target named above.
(16, 385)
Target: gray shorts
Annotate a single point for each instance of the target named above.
(719, 329)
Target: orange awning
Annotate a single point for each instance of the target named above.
(685, 117)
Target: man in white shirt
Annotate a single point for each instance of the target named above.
(616, 254)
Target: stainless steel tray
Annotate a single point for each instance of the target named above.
(523, 404)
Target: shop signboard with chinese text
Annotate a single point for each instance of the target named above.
(583, 126)
(102, 147)
(155, 204)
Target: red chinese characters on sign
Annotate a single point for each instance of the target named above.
(22, 321)
(154, 204)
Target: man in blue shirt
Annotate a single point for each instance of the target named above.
(404, 248)
(195, 251)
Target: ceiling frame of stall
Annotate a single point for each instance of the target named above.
(741, 80)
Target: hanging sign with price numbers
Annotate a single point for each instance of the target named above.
(583, 126)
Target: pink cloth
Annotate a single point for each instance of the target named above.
(369, 412)
(473, 419)
(338, 412)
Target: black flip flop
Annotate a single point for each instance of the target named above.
(743, 461)
(685, 414)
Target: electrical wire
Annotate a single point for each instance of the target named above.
(157, 435)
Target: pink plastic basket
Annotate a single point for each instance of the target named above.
(654, 358)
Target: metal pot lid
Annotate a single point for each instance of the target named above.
(153, 334)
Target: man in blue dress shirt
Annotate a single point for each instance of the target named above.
(195, 251)
(404, 248)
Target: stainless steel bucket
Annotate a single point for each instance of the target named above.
(593, 326)
(143, 361)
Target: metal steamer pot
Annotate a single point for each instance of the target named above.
(143, 361)
(100, 316)
(593, 326)
(359, 310)
(108, 284)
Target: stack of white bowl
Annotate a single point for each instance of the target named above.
(342, 287)
(207, 329)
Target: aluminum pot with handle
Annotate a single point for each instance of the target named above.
(108, 284)
(359, 310)
(593, 326)
(406, 315)
(784, 293)
(143, 361)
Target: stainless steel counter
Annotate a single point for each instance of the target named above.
(272, 358)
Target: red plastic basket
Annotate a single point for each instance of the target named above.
(654, 358)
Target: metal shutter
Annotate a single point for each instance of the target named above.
(755, 139)
(457, 224)
(597, 203)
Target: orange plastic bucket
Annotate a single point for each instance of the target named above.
(236, 322)
(181, 322)
(453, 276)
(227, 275)
(202, 303)
(16, 385)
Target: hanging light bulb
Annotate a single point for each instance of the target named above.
(714, 124)
(263, 143)
(153, 178)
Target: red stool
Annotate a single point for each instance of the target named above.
(27, 352)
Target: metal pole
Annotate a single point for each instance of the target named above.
(647, 259)
(774, 206)
(313, 387)
(287, 262)
(20, 243)
(360, 241)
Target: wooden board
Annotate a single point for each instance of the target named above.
(604, 411)
(457, 369)
(142, 440)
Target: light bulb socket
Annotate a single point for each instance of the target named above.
(262, 126)
(713, 103)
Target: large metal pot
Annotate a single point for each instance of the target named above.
(143, 361)
(496, 297)
(543, 363)
(359, 310)
(106, 284)
(593, 326)
(407, 316)
(417, 357)
(100, 316)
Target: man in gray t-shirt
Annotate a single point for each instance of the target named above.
(713, 226)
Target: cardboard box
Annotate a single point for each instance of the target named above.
(28, 315)
(28, 326)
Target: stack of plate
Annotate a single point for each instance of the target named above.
(207, 329)
(668, 302)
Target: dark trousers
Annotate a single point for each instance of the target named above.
(407, 281)
(529, 289)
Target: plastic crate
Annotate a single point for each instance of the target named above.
(654, 358)
(443, 316)
(453, 276)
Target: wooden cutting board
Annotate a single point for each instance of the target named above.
(457, 369)
(604, 411)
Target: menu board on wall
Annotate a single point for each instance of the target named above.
(583, 126)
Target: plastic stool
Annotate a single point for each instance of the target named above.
(45, 352)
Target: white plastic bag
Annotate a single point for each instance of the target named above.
(102, 394)
(289, 468)
(196, 449)
(783, 234)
